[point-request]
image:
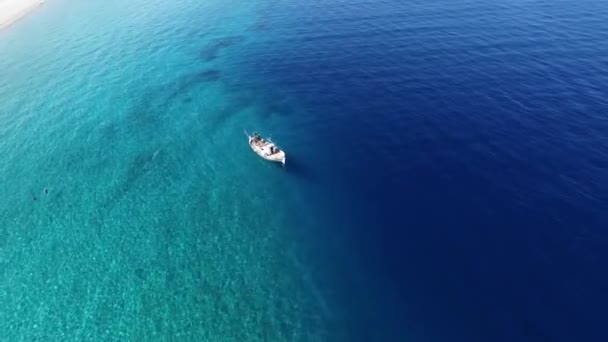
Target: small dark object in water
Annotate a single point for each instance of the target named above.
(140, 273)
(208, 76)
(211, 51)
(46, 191)
(34, 198)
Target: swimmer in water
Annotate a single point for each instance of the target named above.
(46, 191)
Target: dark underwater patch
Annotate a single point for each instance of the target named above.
(187, 83)
(144, 117)
(193, 80)
(149, 110)
(109, 130)
(211, 51)
(140, 273)
(138, 167)
(300, 170)
(208, 76)
(197, 33)
(236, 105)
(259, 25)
(145, 112)
(281, 107)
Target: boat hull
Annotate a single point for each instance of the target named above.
(278, 157)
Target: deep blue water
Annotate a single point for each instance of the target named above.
(470, 139)
(447, 174)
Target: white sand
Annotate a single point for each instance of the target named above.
(13, 10)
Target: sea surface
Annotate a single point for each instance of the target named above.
(446, 177)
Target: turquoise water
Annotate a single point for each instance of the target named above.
(446, 176)
(159, 222)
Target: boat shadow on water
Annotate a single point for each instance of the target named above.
(298, 169)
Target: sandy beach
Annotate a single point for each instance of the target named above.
(13, 10)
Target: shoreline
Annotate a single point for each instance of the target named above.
(13, 10)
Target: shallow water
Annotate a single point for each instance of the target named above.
(159, 221)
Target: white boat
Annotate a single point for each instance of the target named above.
(266, 148)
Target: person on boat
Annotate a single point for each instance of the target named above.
(266, 150)
(256, 137)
